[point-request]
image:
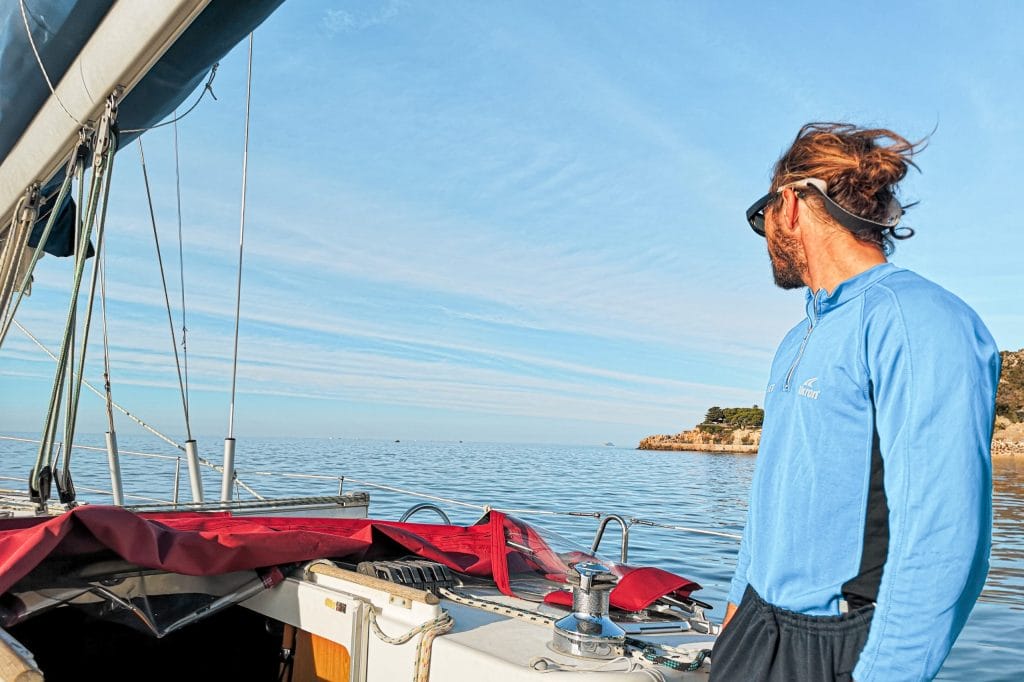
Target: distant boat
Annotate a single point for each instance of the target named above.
(609, 444)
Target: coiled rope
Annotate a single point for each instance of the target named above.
(430, 630)
(650, 653)
(680, 660)
(543, 664)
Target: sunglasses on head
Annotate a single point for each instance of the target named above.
(755, 214)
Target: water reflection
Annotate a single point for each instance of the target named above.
(1005, 583)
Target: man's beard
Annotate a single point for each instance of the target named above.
(788, 264)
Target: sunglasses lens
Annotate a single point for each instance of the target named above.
(757, 223)
(755, 214)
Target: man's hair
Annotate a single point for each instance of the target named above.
(861, 173)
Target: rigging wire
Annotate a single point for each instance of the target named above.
(51, 218)
(39, 61)
(181, 264)
(105, 146)
(13, 247)
(88, 140)
(241, 244)
(685, 529)
(109, 398)
(45, 455)
(49, 433)
(206, 88)
(107, 172)
(163, 280)
(95, 390)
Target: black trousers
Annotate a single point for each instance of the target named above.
(764, 643)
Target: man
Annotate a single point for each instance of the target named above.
(869, 525)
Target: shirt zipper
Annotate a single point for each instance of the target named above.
(803, 344)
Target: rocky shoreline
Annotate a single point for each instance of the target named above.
(744, 441)
(703, 447)
(1000, 447)
(732, 430)
(1007, 440)
(1007, 449)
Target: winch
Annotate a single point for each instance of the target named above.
(588, 632)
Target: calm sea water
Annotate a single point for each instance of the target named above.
(688, 489)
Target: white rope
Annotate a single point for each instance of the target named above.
(405, 636)
(497, 607)
(429, 630)
(423, 651)
(39, 61)
(543, 664)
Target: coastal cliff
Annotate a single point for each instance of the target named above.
(738, 429)
(742, 441)
(1008, 438)
(733, 429)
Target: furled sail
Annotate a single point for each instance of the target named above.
(62, 39)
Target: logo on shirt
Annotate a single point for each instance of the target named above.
(771, 387)
(807, 389)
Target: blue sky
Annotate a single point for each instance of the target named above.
(524, 221)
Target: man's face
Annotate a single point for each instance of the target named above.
(787, 254)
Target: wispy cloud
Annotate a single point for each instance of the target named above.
(359, 16)
(531, 213)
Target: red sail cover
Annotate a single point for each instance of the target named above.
(205, 543)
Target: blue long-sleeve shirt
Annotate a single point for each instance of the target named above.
(887, 354)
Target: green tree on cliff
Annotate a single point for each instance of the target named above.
(715, 415)
(1010, 394)
(744, 417)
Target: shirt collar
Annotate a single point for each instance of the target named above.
(820, 302)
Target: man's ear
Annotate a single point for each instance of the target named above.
(789, 211)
